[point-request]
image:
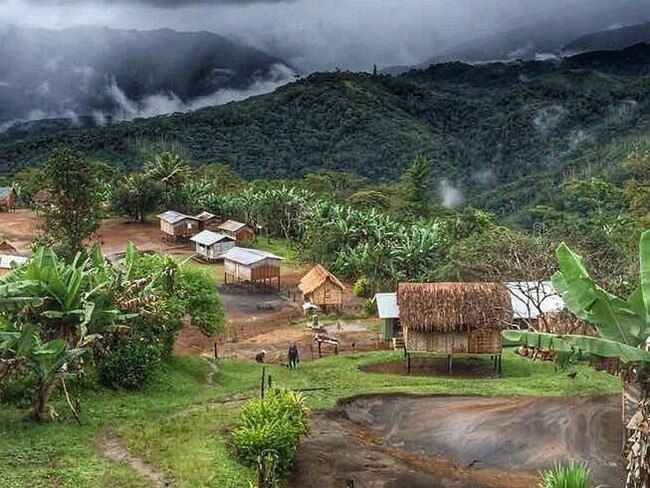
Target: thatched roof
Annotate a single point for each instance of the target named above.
(316, 277)
(454, 307)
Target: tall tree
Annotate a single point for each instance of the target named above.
(171, 170)
(137, 195)
(74, 213)
(416, 188)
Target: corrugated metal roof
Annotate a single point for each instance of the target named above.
(6, 260)
(172, 217)
(529, 297)
(247, 256)
(5, 191)
(231, 226)
(387, 305)
(207, 238)
(205, 216)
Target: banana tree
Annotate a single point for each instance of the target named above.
(623, 331)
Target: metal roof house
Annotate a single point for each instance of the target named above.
(243, 265)
(533, 299)
(176, 226)
(7, 260)
(388, 311)
(322, 288)
(8, 197)
(210, 245)
(237, 230)
(207, 220)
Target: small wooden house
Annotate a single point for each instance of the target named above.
(244, 265)
(207, 221)
(322, 288)
(7, 248)
(175, 226)
(237, 230)
(210, 245)
(8, 198)
(454, 318)
(388, 312)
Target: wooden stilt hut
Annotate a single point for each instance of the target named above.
(454, 319)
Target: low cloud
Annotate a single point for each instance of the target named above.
(450, 195)
(169, 102)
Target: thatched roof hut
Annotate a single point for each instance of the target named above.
(322, 288)
(454, 318)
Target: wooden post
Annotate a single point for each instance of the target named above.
(449, 363)
(263, 383)
(269, 383)
(216, 353)
(408, 363)
(499, 364)
(320, 354)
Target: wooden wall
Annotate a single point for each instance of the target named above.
(476, 342)
(328, 294)
(215, 250)
(262, 270)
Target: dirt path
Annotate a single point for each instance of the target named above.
(454, 442)
(112, 449)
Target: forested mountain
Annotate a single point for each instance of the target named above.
(612, 39)
(504, 135)
(105, 74)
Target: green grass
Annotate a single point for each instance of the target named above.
(178, 424)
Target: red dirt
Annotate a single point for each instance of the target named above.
(458, 442)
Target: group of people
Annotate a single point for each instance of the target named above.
(293, 356)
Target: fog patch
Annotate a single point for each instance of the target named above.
(450, 195)
(486, 177)
(169, 102)
(548, 118)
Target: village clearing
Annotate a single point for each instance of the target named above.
(467, 430)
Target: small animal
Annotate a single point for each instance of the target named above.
(259, 357)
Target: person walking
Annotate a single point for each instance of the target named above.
(293, 356)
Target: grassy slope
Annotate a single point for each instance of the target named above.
(192, 446)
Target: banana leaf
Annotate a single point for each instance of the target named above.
(567, 343)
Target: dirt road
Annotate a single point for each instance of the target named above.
(454, 442)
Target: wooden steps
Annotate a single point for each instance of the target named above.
(398, 343)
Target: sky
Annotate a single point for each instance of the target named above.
(328, 34)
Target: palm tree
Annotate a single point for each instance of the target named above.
(623, 331)
(170, 169)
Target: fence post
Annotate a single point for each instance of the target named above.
(263, 383)
(216, 353)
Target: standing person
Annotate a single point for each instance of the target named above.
(293, 356)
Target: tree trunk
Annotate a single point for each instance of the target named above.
(42, 410)
(638, 467)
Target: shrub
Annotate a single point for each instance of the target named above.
(362, 288)
(130, 364)
(573, 475)
(271, 426)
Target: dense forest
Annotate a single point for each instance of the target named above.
(500, 136)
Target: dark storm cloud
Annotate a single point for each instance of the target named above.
(350, 34)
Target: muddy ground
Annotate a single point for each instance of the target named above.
(458, 442)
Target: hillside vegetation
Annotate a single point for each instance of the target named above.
(486, 128)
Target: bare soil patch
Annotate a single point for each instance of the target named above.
(115, 451)
(463, 368)
(454, 442)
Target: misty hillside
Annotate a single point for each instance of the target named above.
(118, 74)
(503, 134)
(611, 40)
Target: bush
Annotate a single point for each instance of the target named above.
(130, 364)
(271, 426)
(573, 475)
(362, 288)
